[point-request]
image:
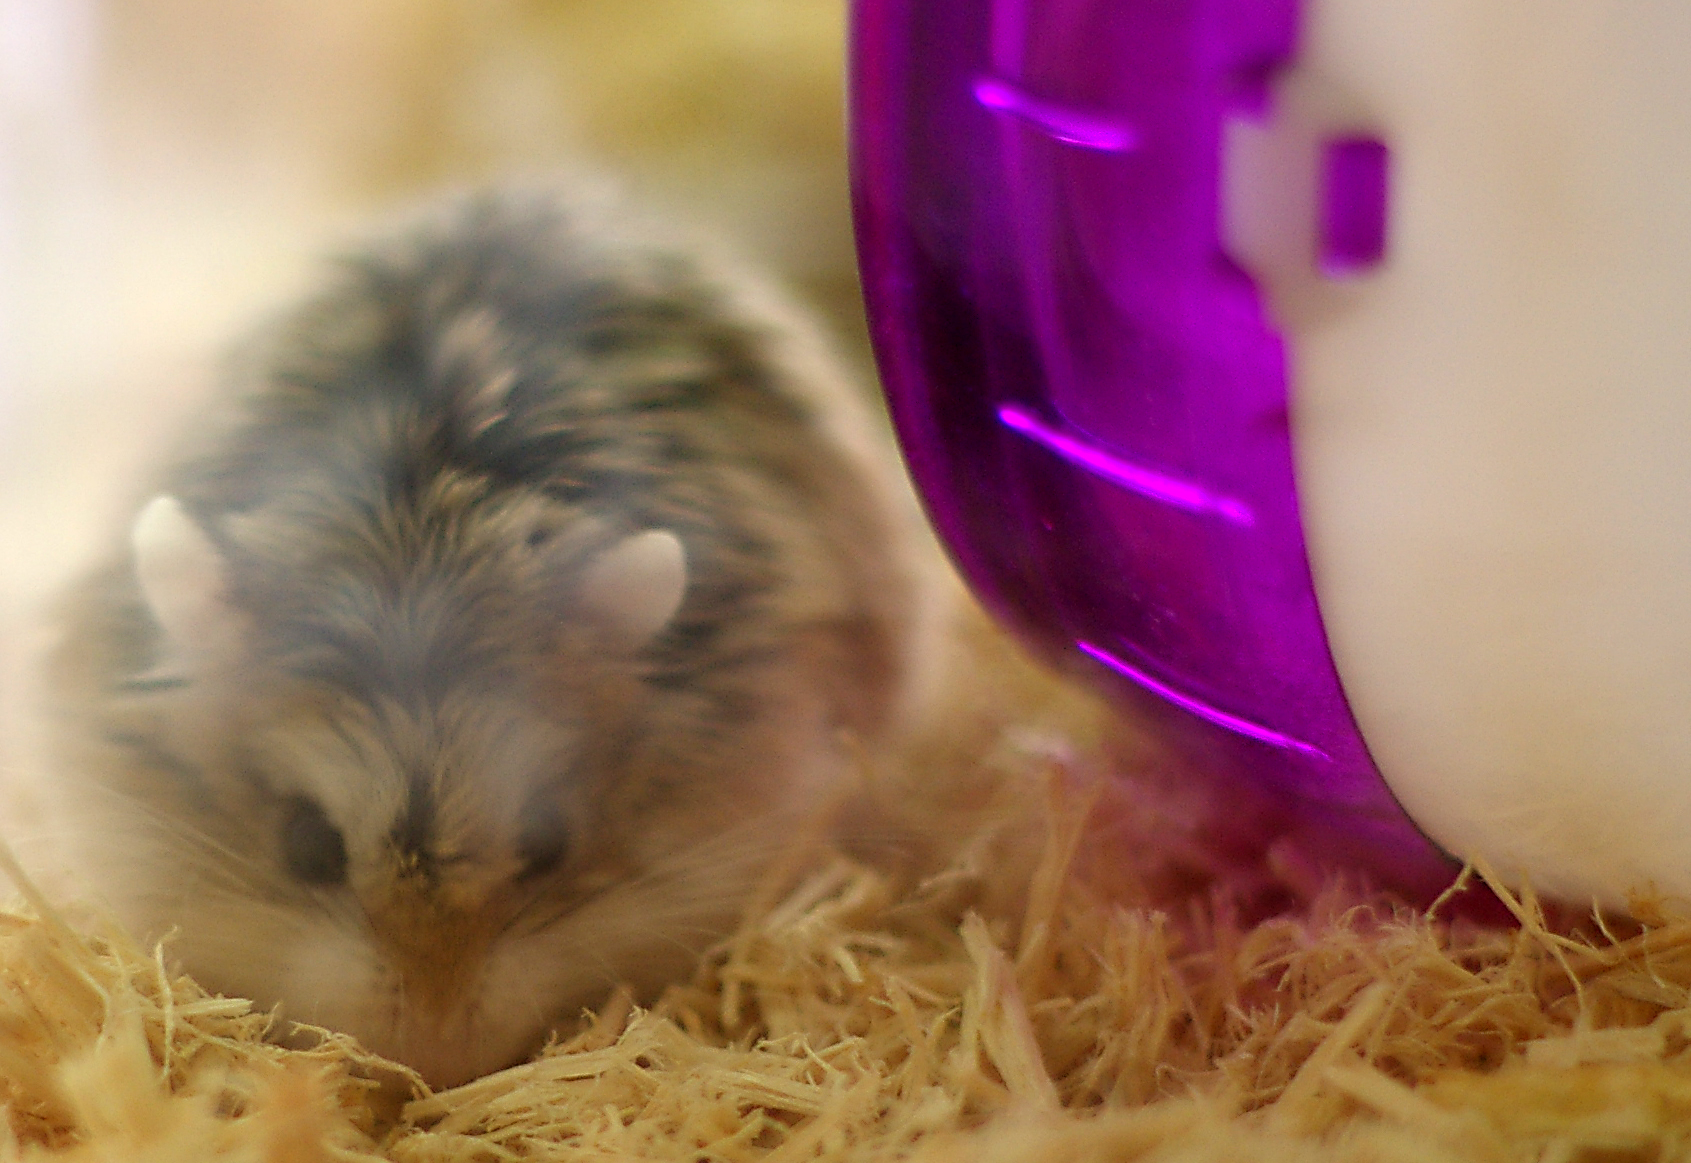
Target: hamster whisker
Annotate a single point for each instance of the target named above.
(722, 866)
(209, 859)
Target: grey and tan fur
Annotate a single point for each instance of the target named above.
(488, 643)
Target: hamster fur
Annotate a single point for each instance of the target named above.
(516, 600)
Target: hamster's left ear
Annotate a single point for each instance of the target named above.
(633, 589)
(183, 578)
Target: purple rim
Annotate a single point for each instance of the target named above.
(1088, 394)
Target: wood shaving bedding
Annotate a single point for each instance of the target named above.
(850, 1017)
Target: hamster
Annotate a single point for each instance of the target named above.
(519, 594)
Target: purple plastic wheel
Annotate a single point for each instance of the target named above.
(1089, 396)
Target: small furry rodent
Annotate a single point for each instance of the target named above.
(529, 585)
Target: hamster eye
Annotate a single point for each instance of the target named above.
(542, 844)
(313, 848)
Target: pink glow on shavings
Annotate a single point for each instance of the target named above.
(1202, 709)
(1066, 124)
(1193, 498)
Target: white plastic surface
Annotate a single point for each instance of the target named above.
(1493, 430)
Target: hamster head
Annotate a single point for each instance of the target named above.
(397, 772)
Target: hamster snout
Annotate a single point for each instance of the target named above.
(481, 649)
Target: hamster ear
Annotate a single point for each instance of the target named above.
(634, 588)
(182, 576)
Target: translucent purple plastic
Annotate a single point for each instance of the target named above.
(1089, 395)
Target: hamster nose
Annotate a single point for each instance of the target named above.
(437, 952)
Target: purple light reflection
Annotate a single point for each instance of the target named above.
(1074, 126)
(1146, 482)
(1202, 709)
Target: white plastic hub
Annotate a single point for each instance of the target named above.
(1493, 428)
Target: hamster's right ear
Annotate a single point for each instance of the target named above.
(184, 580)
(633, 589)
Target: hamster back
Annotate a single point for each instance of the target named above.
(512, 603)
